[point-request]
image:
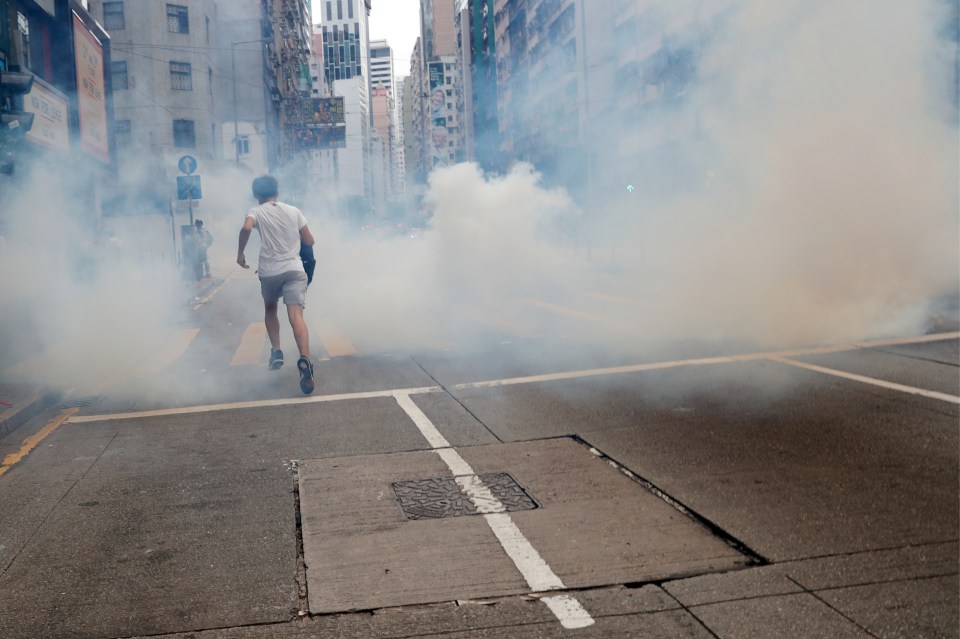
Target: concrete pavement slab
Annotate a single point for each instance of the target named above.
(159, 535)
(29, 492)
(299, 431)
(902, 609)
(618, 611)
(761, 581)
(801, 615)
(362, 552)
(454, 422)
(820, 471)
(594, 527)
(893, 564)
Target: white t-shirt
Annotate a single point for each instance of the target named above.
(279, 226)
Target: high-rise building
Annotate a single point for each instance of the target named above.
(346, 55)
(346, 38)
(441, 136)
(475, 33)
(381, 65)
(382, 75)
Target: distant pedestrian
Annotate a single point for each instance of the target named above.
(283, 229)
(202, 241)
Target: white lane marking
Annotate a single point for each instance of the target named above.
(531, 565)
(873, 381)
(593, 372)
(538, 575)
(485, 501)
(429, 431)
(706, 361)
(266, 403)
(531, 379)
(569, 611)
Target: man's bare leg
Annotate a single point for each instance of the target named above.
(299, 326)
(272, 323)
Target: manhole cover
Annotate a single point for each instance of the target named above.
(443, 497)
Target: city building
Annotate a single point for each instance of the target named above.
(435, 68)
(56, 103)
(478, 95)
(390, 124)
(344, 25)
(166, 79)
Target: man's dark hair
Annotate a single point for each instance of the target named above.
(265, 187)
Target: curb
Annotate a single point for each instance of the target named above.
(22, 412)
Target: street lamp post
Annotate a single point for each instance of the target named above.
(236, 117)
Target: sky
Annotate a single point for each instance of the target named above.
(397, 21)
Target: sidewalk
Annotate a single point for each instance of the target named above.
(20, 402)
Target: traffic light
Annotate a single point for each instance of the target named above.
(14, 121)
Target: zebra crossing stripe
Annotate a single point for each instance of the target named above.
(334, 341)
(251, 345)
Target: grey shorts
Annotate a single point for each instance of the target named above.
(292, 286)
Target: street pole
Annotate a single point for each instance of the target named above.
(236, 124)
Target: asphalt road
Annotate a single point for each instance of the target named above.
(516, 486)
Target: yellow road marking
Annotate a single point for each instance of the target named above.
(505, 326)
(566, 311)
(606, 297)
(177, 347)
(334, 341)
(251, 345)
(34, 440)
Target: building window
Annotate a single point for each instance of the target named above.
(121, 133)
(329, 11)
(177, 19)
(23, 31)
(184, 136)
(113, 16)
(118, 74)
(180, 77)
(243, 145)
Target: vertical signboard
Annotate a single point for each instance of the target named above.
(437, 124)
(91, 91)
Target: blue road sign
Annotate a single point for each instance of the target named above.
(187, 164)
(188, 187)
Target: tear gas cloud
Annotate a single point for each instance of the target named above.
(802, 190)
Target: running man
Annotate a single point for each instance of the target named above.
(282, 229)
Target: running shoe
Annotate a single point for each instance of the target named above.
(306, 375)
(276, 359)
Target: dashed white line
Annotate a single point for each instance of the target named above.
(538, 575)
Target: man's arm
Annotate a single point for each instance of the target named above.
(245, 231)
(306, 238)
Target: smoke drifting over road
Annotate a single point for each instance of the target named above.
(830, 211)
(819, 204)
(824, 207)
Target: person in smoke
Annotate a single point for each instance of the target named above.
(202, 239)
(283, 229)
